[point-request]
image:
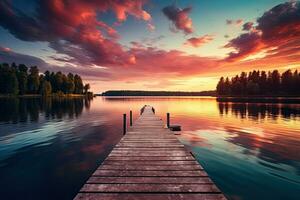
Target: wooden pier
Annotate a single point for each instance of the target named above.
(149, 163)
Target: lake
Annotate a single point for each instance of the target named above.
(50, 147)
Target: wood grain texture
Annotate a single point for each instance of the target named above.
(149, 163)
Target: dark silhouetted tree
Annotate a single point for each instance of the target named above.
(261, 83)
(274, 82)
(47, 76)
(22, 78)
(58, 82)
(227, 88)
(236, 87)
(287, 82)
(78, 84)
(221, 86)
(86, 88)
(33, 80)
(70, 84)
(45, 88)
(252, 88)
(8, 80)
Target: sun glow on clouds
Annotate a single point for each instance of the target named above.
(261, 54)
(82, 40)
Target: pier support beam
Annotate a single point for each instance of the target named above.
(124, 124)
(168, 120)
(130, 118)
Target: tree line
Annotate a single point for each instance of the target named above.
(261, 83)
(21, 80)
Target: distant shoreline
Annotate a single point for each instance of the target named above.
(41, 96)
(219, 98)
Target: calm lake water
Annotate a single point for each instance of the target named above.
(49, 148)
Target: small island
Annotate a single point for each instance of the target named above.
(21, 81)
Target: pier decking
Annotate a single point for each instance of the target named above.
(149, 163)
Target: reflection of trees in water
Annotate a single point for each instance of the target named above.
(280, 148)
(24, 109)
(260, 111)
(273, 147)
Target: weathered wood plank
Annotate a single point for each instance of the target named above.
(149, 167)
(182, 188)
(157, 162)
(149, 141)
(152, 180)
(148, 145)
(149, 149)
(139, 154)
(149, 173)
(148, 196)
(143, 139)
(152, 158)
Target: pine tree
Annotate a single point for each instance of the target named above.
(33, 80)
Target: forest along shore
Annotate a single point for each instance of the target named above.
(20, 80)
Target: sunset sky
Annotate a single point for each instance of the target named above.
(151, 45)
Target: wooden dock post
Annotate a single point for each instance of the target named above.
(124, 124)
(149, 163)
(130, 118)
(168, 120)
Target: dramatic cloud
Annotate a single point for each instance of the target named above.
(277, 34)
(9, 56)
(87, 45)
(75, 26)
(180, 18)
(171, 62)
(237, 22)
(281, 22)
(85, 42)
(199, 41)
(244, 45)
(248, 26)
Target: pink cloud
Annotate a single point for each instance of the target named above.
(277, 32)
(135, 8)
(244, 45)
(199, 41)
(5, 49)
(82, 39)
(150, 27)
(180, 18)
(68, 26)
(156, 61)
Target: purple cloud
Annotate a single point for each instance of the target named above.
(180, 18)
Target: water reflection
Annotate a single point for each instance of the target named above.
(14, 110)
(49, 147)
(260, 111)
(56, 144)
(275, 149)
